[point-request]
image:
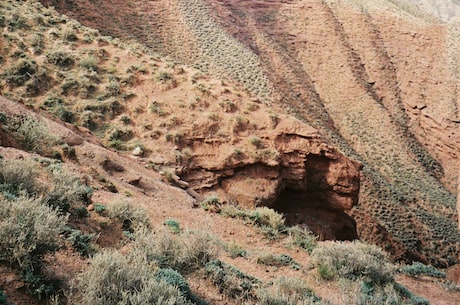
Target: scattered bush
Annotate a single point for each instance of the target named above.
(115, 279)
(68, 194)
(173, 225)
(271, 259)
(257, 142)
(235, 250)
(417, 269)
(164, 76)
(30, 229)
(231, 281)
(288, 291)
(269, 221)
(352, 261)
(32, 133)
(303, 238)
(131, 217)
(20, 72)
(61, 59)
(183, 252)
(211, 202)
(89, 63)
(17, 176)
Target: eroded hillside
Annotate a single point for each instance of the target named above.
(115, 158)
(378, 79)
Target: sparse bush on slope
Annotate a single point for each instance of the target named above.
(184, 252)
(32, 133)
(29, 229)
(116, 279)
(288, 291)
(17, 176)
(364, 271)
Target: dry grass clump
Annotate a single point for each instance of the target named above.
(17, 176)
(288, 291)
(132, 217)
(113, 278)
(68, 193)
(269, 221)
(352, 261)
(183, 251)
(32, 133)
(29, 229)
(363, 271)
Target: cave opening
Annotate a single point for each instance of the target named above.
(310, 210)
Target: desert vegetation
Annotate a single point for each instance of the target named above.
(74, 231)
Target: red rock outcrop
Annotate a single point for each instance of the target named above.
(289, 169)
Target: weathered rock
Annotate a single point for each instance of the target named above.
(137, 151)
(295, 172)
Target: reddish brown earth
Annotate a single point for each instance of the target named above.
(377, 79)
(373, 87)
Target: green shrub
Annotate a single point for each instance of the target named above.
(417, 269)
(3, 298)
(81, 242)
(231, 281)
(175, 279)
(99, 208)
(115, 279)
(80, 212)
(352, 260)
(16, 22)
(173, 225)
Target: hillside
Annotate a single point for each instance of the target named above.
(160, 147)
(379, 80)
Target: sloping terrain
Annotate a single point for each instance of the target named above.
(378, 79)
(97, 135)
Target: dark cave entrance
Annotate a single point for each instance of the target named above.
(307, 209)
